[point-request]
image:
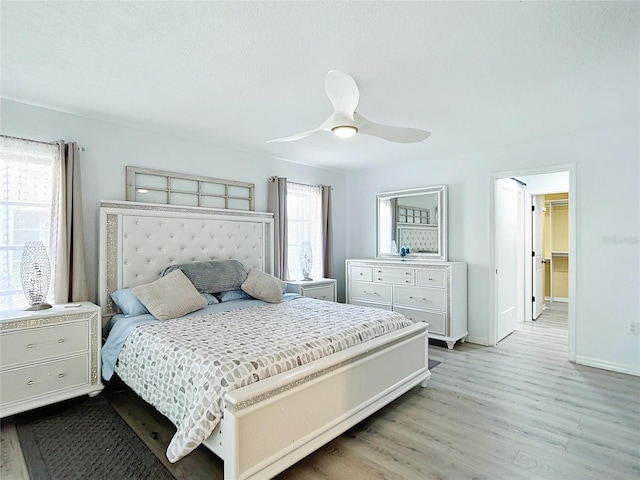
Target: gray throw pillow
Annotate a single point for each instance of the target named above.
(214, 276)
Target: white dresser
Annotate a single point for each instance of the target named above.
(48, 356)
(431, 292)
(322, 289)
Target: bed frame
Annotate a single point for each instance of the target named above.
(270, 425)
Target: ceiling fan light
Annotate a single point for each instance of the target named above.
(344, 131)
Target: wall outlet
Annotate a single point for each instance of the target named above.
(633, 328)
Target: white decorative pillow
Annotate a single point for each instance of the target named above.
(263, 286)
(171, 296)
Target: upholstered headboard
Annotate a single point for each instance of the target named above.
(421, 239)
(139, 240)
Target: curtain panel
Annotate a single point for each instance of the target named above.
(67, 230)
(327, 231)
(278, 206)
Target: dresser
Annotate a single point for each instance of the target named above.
(48, 356)
(322, 289)
(430, 292)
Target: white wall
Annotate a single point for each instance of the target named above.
(111, 147)
(608, 228)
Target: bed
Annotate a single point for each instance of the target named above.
(317, 400)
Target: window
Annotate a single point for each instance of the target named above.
(159, 186)
(304, 213)
(26, 193)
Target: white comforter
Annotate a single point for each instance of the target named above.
(184, 366)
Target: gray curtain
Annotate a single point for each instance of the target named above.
(278, 206)
(67, 231)
(327, 232)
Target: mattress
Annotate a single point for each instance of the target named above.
(184, 366)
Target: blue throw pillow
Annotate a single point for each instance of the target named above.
(211, 299)
(128, 303)
(233, 295)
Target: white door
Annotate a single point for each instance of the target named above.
(537, 267)
(507, 237)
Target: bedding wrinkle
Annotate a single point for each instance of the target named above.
(184, 367)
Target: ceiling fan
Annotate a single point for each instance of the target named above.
(345, 122)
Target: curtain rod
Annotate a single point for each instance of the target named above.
(273, 179)
(82, 149)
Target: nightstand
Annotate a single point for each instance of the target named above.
(322, 289)
(48, 356)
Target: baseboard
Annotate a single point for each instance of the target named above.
(556, 299)
(478, 340)
(614, 367)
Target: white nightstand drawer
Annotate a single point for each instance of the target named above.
(418, 297)
(432, 278)
(361, 274)
(324, 292)
(437, 321)
(44, 378)
(373, 292)
(43, 342)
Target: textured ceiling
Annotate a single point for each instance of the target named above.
(476, 74)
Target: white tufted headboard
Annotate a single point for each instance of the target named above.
(139, 240)
(421, 239)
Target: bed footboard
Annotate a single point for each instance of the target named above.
(270, 425)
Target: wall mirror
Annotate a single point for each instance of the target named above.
(414, 218)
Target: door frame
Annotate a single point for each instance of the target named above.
(493, 294)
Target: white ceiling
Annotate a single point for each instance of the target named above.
(475, 74)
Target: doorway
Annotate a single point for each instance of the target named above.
(535, 183)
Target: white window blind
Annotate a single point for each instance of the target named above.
(304, 214)
(26, 193)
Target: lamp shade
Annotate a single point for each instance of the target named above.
(35, 271)
(306, 260)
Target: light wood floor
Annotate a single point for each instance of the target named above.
(516, 411)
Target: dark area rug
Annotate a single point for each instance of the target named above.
(433, 363)
(84, 439)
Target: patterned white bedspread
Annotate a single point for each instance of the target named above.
(184, 366)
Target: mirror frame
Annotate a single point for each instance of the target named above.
(441, 191)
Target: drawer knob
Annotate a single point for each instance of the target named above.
(361, 274)
(407, 281)
(61, 340)
(30, 345)
(61, 375)
(370, 293)
(431, 279)
(30, 382)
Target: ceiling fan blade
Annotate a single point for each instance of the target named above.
(390, 133)
(343, 92)
(326, 126)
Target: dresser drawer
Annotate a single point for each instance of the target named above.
(394, 271)
(324, 292)
(371, 304)
(373, 292)
(437, 321)
(418, 297)
(362, 274)
(44, 378)
(432, 278)
(43, 342)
